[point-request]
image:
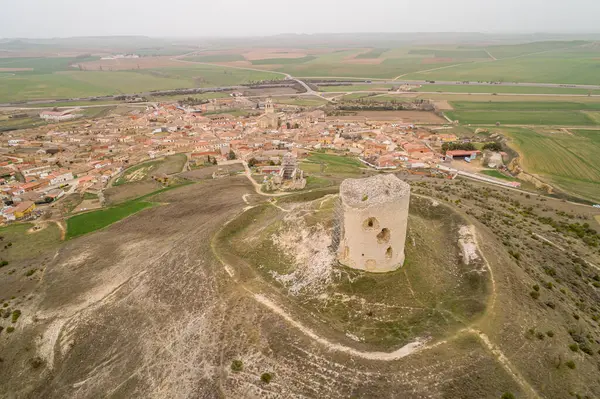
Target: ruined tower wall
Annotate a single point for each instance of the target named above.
(375, 217)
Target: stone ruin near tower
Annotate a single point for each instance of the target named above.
(373, 220)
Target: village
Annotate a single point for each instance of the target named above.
(72, 155)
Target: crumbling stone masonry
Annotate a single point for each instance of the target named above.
(374, 221)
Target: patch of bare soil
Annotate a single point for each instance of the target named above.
(129, 191)
(87, 205)
(207, 171)
(418, 117)
(261, 54)
(443, 105)
(37, 227)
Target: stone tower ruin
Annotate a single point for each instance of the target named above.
(374, 220)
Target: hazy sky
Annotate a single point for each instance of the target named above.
(61, 18)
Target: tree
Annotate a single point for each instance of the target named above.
(231, 155)
(252, 162)
(457, 146)
(493, 147)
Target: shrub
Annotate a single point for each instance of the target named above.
(10, 329)
(237, 366)
(550, 304)
(550, 333)
(534, 294)
(1, 328)
(530, 333)
(507, 395)
(266, 377)
(549, 285)
(540, 335)
(536, 287)
(570, 364)
(15, 315)
(574, 347)
(3, 263)
(36, 362)
(587, 350)
(30, 272)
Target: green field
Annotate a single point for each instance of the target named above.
(517, 50)
(354, 88)
(216, 58)
(549, 62)
(525, 113)
(524, 106)
(373, 53)
(470, 88)
(577, 65)
(569, 161)
(456, 54)
(549, 118)
(65, 84)
(7, 124)
(95, 220)
(381, 98)
(284, 61)
(333, 164)
(87, 222)
(496, 174)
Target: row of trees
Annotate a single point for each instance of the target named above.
(458, 146)
(493, 146)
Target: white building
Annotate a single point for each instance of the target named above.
(60, 176)
(58, 115)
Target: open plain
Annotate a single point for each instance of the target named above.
(179, 237)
